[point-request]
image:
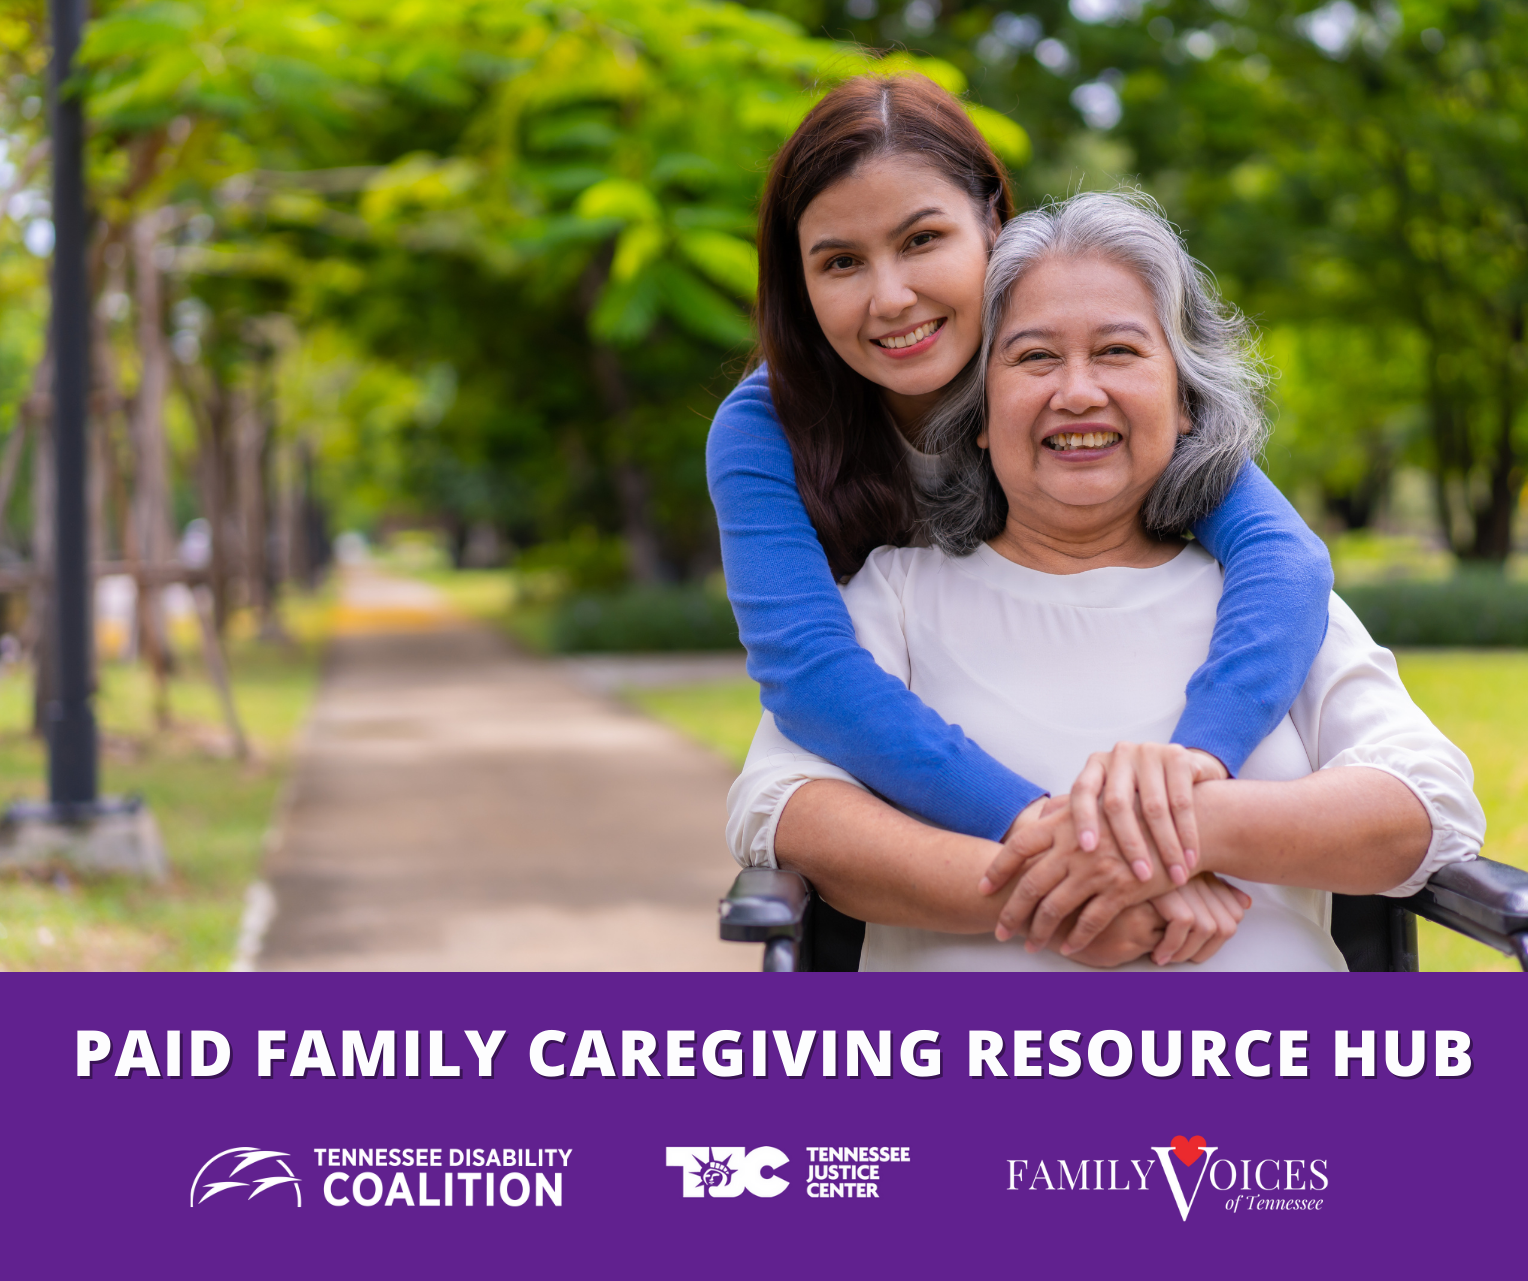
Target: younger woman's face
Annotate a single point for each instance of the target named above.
(895, 255)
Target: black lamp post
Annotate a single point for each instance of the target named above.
(72, 781)
(95, 835)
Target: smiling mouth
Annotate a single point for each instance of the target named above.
(1066, 441)
(911, 339)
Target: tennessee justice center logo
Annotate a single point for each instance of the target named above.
(1259, 1184)
(729, 1172)
(261, 1169)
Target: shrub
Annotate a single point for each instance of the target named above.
(583, 562)
(642, 619)
(1474, 608)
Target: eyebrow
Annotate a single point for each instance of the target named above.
(1113, 327)
(910, 220)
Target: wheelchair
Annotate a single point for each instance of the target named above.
(1484, 899)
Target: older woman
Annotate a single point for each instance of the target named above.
(1060, 611)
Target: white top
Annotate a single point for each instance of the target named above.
(1042, 669)
(926, 470)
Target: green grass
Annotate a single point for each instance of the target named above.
(1478, 698)
(212, 810)
(720, 714)
(482, 594)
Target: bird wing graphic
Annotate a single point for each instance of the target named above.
(253, 1157)
(212, 1189)
(262, 1184)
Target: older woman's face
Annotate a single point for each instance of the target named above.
(1082, 393)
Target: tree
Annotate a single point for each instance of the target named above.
(1349, 169)
(542, 215)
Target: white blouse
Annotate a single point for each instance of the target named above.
(1043, 669)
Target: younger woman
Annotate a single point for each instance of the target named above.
(874, 232)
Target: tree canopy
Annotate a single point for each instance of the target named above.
(491, 261)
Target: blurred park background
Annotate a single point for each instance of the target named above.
(411, 318)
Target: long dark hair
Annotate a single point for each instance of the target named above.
(850, 470)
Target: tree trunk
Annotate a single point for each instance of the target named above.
(631, 483)
(39, 631)
(272, 566)
(10, 466)
(249, 428)
(1451, 452)
(632, 487)
(313, 537)
(1493, 525)
(109, 409)
(208, 400)
(33, 411)
(151, 478)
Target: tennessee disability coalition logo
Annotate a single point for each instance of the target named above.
(261, 1169)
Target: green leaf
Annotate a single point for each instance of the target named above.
(638, 246)
(626, 310)
(942, 73)
(1004, 136)
(727, 261)
(618, 198)
(684, 168)
(699, 309)
(713, 218)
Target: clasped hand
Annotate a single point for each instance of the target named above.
(1075, 870)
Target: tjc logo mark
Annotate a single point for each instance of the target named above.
(729, 1172)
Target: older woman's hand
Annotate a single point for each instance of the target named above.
(1063, 878)
(1201, 916)
(1080, 894)
(1157, 777)
(1136, 932)
(1187, 924)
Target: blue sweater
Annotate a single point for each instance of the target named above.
(828, 694)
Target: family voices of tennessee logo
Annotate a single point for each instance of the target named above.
(1258, 1183)
(728, 1172)
(256, 1169)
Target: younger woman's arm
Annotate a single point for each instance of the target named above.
(1269, 625)
(826, 692)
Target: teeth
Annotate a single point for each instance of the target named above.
(908, 340)
(1066, 440)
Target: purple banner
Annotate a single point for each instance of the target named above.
(749, 1126)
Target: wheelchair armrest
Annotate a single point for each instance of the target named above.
(767, 906)
(1482, 898)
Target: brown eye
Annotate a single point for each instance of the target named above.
(842, 263)
(923, 238)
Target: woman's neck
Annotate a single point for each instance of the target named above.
(910, 414)
(1119, 543)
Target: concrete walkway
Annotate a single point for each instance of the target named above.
(457, 805)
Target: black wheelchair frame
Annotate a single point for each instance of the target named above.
(1484, 899)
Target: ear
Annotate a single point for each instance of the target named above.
(982, 440)
(1185, 423)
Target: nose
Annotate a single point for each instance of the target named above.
(1078, 391)
(890, 293)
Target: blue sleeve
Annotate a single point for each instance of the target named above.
(826, 692)
(1270, 624)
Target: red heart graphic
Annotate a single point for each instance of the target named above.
(1188, 1150)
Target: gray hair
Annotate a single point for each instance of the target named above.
(1221, 379)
